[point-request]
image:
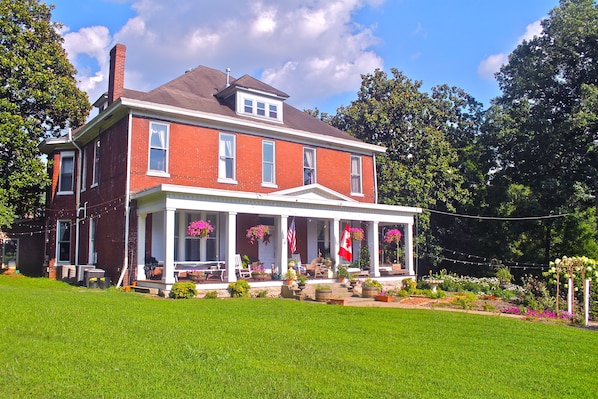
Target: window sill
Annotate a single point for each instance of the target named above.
(156, 173)
(270, 185)
(357, 195)
(94, 185)
(227, 181)
(65, 193)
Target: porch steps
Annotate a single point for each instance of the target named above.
(144, 290)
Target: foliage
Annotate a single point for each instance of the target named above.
(239, 289)
(323, 287)
(259, 232)
(38, 98)
(536, 295)
(369, 282)
(356, 233)
(166, 333)
(183, 290)
(409, 285)
(466, 300)
(302, 279)
(199, 228)
(364, 258)
(342, 272)
(504, 275)
(290, 274)
(211, 295)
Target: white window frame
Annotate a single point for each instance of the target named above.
(60, 242)
(271, 182)
(91, 257)
(164, 147)
(307, 167)
(227, 153)
(62, 175)
(84, 169)
(356, 175)
(260, 107)
(95, 178)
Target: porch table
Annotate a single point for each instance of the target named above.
(216, 267)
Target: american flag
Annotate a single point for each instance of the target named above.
(292, 238)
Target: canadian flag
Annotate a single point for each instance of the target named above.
(345, 250)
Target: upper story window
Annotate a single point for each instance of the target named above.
(158, 147)
(309, 166)
(356, 187)
(95, 178)
(66, 180)
(268, 165)
(84, 171)
(262, 108)
(226, 158)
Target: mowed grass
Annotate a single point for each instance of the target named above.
(59, 341)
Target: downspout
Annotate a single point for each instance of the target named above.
(78, 203)
(127, 203)
(375, 180)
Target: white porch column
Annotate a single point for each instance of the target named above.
(282, 245)
(141, 226)
(168, 275)
(335, 241)
(231, 247)
(409, 248)
(374, 247)
(182, 233)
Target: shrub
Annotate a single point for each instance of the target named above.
(368, 282)
(410, 286)
(183, 290)
(322, 287)
(239, 289)
(262, 294)
(211, 295)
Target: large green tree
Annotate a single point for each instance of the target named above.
(38, 98)
(426, 136)
(543, 129)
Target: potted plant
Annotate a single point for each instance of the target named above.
(301, 281)
(356, 233)
(323, 293)
(259, 273)
(370, 288)
(393, 236)
(342, 274)
(290, 276)
(390, 295)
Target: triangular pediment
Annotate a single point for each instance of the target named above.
(314, 191)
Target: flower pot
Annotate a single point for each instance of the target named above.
(369, 292)
(384, 298)
(260, 276)
(323, 295)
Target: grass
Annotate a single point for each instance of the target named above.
(58, 341)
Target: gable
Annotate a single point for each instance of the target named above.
(314, 191)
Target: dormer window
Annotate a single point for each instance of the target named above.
(261, 108)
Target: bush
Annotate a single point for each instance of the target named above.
(410, 286)
(372, 283)
(183, 290)
(211, 295)
(239, 289)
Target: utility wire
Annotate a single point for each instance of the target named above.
(497, 217)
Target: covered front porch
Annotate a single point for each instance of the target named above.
(319, 215)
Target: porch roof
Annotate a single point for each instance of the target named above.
(305, 201)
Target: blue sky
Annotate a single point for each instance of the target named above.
(313, 50)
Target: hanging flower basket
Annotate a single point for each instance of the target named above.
(259, 232)
(199, 228)
(356, 233)
(393, 236)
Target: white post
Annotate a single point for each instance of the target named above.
(586, 294)
(283, 245)
(231, 247)
(409, 249)
(141, 226)
(570, 296)
(335, 241)
(374, 246)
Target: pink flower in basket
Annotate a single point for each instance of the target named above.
(199, 228)
(259, 232)
(393, 235)
(356, 233)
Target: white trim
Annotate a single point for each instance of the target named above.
(66, 154)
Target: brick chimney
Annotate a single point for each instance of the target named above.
(116, 79)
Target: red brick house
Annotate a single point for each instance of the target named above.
(207, 146)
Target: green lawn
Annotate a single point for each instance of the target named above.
(58, 341)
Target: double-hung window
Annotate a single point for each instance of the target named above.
(309, 166)
(66, 180)
(268, 165)
(226, 158)
(158, 148)
(356, 187)
(95, 179)
(63, 241)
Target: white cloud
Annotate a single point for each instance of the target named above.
(308, 48)
(489, 66)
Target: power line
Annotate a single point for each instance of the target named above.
(497, 217)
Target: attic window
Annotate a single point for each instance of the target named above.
(261, 108)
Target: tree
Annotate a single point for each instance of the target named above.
(38, 98)
(543, 126)
(424, 136)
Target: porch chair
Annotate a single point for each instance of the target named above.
(318, 268)
(299, 268)
(242, 272)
